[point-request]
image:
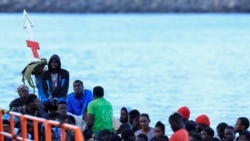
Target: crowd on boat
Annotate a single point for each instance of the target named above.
(93, 113)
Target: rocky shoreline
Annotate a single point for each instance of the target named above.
(124, 6)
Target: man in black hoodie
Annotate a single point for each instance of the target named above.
(55, 83)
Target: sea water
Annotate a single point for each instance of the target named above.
(155, 63)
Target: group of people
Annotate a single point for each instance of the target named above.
(89, 110)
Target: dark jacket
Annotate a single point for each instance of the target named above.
(62, 81)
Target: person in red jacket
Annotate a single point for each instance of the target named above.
(177, 125)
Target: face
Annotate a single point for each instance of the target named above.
(62, 109)
(229, 134)
(54, 64)
(23, 92)
(34, 104)
(123, 116)
(158, 132)
(78, 88)
(144, 122)
(205, 136)
(220, 133)
(237, 126)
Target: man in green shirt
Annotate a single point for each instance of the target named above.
(99, 112)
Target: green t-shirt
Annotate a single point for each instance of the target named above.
(103, 113)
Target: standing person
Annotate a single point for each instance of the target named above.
(78, 100)
(55, 83)
(99, 112)
(177, 125)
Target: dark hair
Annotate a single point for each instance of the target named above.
(196, 136)
(145, 115)
(61, 102)
(134, 113)
(221, 126)
(143, 136)
(98, 91)
(244, 121)
(30, 98)
(52, 115)
(78, 81)
(122, 127)
(209, 131)
(115, 138)
(72, 118)
(176, 117)
(230, 127)
(127, 133)
(160, 125)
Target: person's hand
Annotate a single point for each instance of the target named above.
(52, 101)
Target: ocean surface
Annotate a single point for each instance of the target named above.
(155, 63)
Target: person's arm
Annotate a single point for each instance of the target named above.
(69, 104)
(90, 120)
(62, 92)
(45, 85)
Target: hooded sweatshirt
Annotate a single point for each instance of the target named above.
(62, 83)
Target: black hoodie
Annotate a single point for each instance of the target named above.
(62, 80)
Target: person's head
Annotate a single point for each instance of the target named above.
(105, 134)
(190, 126)
(229, 133)
(141, 137)
(132, 114)
(115, 138)
(22, 90)
(195, 137)
(70, 120)
(124, 114)
(202, 121)
(185, 112)
(78, 88)
(144, 121)
(207, 134)
(6, 126)
(32, 102)
(122, 127)
(98, 91)
(176, 121)
(52, 115)
(241, 124)
(159, 129)
(220, 129)
(15, 106)
(62, 107)
(128, 135)
(54, 63)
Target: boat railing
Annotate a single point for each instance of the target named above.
(48, 124)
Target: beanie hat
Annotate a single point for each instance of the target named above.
(184, 111)
(202, 119)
